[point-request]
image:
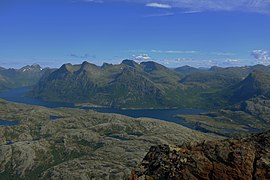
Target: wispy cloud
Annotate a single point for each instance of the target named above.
(93, 1)
(232, 60)
(188, 61)
(195, 6)
(191, 12)
(261, 56)
(165, 51)
(84, 56)
(173, 52)
(158, 5)
(161, 14)
(223, 53)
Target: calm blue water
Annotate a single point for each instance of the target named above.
(55, 117)
(119, 137)
(18, 95)
(8, 123)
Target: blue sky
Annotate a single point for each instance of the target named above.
(172, 32)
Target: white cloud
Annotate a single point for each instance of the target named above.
(183, 60)
(158, 5)
(188, 61)
(141, 57)
(161, 14)
(261, 55)
(191, 12)
(232, 60)
(192, 6)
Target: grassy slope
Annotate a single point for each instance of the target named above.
(248, 112)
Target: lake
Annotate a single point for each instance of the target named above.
(8, 123)
(18, 95)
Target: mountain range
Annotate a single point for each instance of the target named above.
(66, 143)
(151, 85)
(26, 76)
(124, 85)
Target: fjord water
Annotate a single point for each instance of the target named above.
(8, 123)
(19, 95)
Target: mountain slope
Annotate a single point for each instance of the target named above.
(246, 107)
(256, 84)
(185, 70)
(125, 85)
(148, 85)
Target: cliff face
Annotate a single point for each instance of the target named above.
(239, 158)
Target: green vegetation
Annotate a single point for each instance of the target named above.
(242, 107)
(147, 85)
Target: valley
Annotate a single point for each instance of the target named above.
(134, 90)
(71, 129)
(234, 99)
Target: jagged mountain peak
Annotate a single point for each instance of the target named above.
(31, 68)
(104, 65)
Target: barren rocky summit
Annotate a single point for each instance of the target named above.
(239, 158)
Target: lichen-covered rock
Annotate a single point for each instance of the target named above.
(80, 144)
(238, 158)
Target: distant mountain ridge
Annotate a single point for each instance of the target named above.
(144, 85)
(25, 76)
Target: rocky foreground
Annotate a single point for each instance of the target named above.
(79, 144)
(238, 158)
